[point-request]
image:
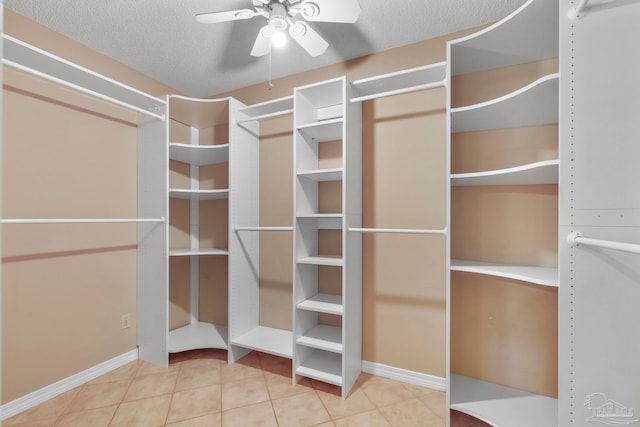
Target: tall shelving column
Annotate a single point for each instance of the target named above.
(327, 201)
(198, 217)
(245, 331)
(529, 34)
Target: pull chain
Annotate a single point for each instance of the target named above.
(270, 85)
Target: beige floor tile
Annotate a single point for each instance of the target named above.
(356, 403)
(385, 393)
(99, 417)
(437, 402)
(281, 386)
(211, 420)
(367, 419)
(258, 415)
(247, 367)
(300, 410)
(150, 412)
(44, 412)
(327, 424)
(275, 365)
(151, 385)
(123, 373)
(244, 392)
(198, 373)
(460, 419)
(194, 403)
(99, 395)
(146, 368)
(413, 413)
(40, 423)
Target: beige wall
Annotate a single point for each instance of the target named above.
(65, 287)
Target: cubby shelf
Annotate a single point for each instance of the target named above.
(332, 174)
(502, 406)
(267, 340)
(199, 195)
(534, 104)
(323, 337)
(399, 82)
(538, 275)
(544, 172)
(323, 366)
(323, 303)
(197, 335)
(331, 260)
(199, 155)
(328, 130)
(198, 251)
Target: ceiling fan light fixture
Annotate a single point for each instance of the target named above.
(278, 39)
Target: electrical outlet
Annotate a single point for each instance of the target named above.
(125, 321)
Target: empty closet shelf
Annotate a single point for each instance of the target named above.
(198, 251)
(267, 340)
(323, 366)
(323, 337)
(199, 194)
(328, 130)
(199, 155)
(539, 275)
(323, 303)
(500, 405)
(197, 335)
(332, 174)
(332, 260)
(544, 172)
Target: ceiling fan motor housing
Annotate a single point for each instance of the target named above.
(277, 16)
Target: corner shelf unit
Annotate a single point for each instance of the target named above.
(199, 116)
(529, 34)
(328, 351)
(246, 333)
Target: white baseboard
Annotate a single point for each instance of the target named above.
(411, 377)
(49, 392)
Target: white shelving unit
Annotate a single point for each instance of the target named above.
(529, 34)
(199, 115)
(326, 352)
(246, 332)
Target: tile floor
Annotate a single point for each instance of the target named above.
(200, 390)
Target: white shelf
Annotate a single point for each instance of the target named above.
(544, 172)
(330, 260)
(328, 130)
(399, 82)
(268, 340)
(528, 34)
(44, 64)
(264, 110)
(323, 303)
(502, 406)
(538, 275)
(198, 251)
(199, 155)
(197, 335)
(333, 174)
(321, 215)
(534, 104)
(323, 337)
(199, 194)
(323, 366)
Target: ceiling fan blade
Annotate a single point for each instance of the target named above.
(308, 38)
(262, 45)
(344, 11)
(230, 15)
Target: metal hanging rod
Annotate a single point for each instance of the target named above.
(81, 89)
(576, 238)
(399, 230)
(262, 229)
(575, 12)
(80, 220)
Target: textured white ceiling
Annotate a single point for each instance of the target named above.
(161, 38)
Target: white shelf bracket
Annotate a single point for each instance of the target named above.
(577, 238)
(575, 12)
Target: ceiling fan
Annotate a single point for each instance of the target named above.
(281, 14)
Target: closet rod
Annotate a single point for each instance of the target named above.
(577, 238)
(81, 89)
(263, 229)
(79, 220)
(399, 230)
(576, 11)
(433, 85)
